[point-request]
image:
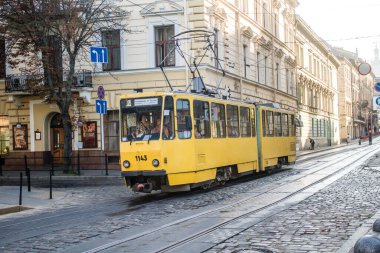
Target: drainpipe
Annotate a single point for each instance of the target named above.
(186, 48)
(237, 25)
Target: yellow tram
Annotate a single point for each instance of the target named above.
(177, 141)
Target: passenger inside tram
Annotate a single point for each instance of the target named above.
(167, 133)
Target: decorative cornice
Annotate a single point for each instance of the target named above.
(247, 32)
(219, 13)
(279, 53)
(290, 60)
(268, 45)
(276, 4)
(161, 7)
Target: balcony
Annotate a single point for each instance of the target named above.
(30, 83)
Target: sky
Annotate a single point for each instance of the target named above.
(351, 24)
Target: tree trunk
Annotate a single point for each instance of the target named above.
(67, 149)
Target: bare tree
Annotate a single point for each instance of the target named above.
(47, 36)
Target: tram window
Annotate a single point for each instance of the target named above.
(263, 123)
(292, 126)
(218, 117)
(232, 121)
(285, 125)
(202, 119)
(253, 122)
(277, 124)
(168, 132)
(245, 127)
(269, 123)
(140, 119)
(184, 119)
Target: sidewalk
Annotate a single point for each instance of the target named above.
(342, 145)
(39, 197)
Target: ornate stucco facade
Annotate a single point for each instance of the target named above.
(254, 44)
(317, 88)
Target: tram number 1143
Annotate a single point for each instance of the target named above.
(141, 158)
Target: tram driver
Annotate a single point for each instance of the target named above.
(143, 127)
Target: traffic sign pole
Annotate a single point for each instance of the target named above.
(101, 133)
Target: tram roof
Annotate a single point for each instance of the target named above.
(200, 95)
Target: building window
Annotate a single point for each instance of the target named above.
(258, 67)
(265, 69)
(245, 60)
(165, 47)
(216, 48)
(111, 40)
(111, 131)
(278, 75)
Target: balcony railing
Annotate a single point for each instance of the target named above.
(26, 83)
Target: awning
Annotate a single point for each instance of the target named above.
(298, 122)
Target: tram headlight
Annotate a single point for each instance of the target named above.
(126, 164)
(155, 162)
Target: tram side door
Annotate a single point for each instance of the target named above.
(57, 144)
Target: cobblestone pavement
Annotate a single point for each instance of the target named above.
(147, 214)
(320, 223)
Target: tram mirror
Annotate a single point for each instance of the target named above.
(189, 126)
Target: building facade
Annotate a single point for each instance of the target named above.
(254, 47)
(317, 89)
(355, 97)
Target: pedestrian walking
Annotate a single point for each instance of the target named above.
(312, 143)
(348, 138)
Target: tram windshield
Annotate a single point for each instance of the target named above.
(141, 118)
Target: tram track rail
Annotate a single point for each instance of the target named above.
(359, 156)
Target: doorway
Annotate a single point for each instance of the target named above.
(56, 137)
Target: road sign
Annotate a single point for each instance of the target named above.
(101, 106)
(376, 103)
(364, 68)
(99, 54)
(101, 92)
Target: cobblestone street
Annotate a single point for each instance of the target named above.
(128, 217)
(321, 223)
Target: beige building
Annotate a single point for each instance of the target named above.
(317, 89)
(254, 42)
(355, 96)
